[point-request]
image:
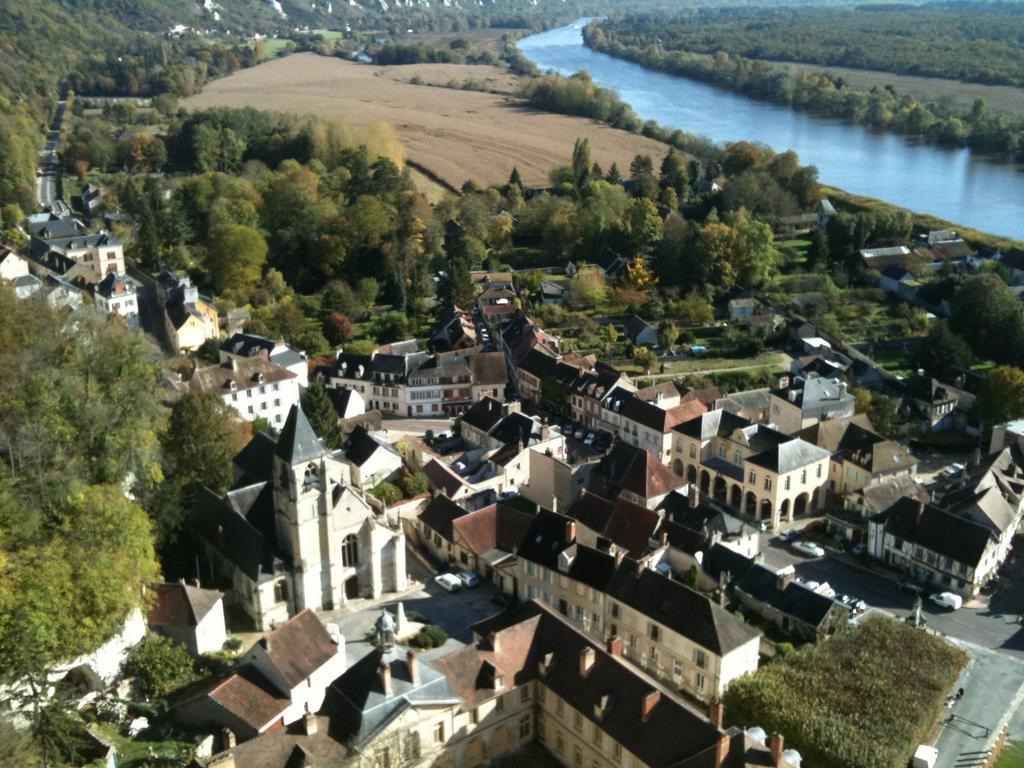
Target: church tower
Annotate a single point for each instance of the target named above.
(300, 506)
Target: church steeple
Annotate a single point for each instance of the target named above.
(298, 442)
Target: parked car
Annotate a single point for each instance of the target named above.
(909, 586)
(589, 439)
(808, 548)
(789, 535)
(949, 600)
(469, 579)
(579, 433)
(448, 582)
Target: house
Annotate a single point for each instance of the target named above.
(50, 226)
(796, 608)
(488, 375)
(646, 424)
(641, 333)
(372, 460)
(668, 630)
(453, 330)
(825, 213)
(752, 404)
(706, 524)
(188, 615)
(294, 532)
(858, 507)
(483, 280)
(253, 386)
(92, 199)
(635, 474)
(805, 402)
(497, 302)
(554, 292)
(757, 470)
(192, 317)
(933, 402)
(27, 286)
(880, 258)
(347, 402)
(519, 334)
(742, 307)
(899, 280)
(12, 264)
(528, 677)
(284, 677)
(589, 390)
(118, 295)
(88, 257)
(242, 346)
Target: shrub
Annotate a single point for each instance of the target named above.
(414, 484)
(843, 703)
(431, 636)
(389, 493)
(159, 666)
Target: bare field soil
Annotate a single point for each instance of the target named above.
(1001, 98)
(454, 135)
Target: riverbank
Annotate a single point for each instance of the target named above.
(822, 94)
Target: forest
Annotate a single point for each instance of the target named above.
(635, 39)
(974, 42)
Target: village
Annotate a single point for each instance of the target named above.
(519, 545)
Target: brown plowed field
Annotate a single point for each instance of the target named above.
(455, 135)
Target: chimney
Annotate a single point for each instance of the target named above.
(783, 577)
(310, 724)
(792, 395)
(228, 740)
(775, 743)
(648, 703)
(265, 642)
(384, 670)
(545, 430)
(570, 532)
(614, 645)
(716, 713)
(663, 538)
(693, 495)
(412, 663)
(587, 657)
(722, 750)
(554, 503)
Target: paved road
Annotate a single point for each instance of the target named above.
(49, 161)
(993, 627)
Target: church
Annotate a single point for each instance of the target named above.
(293, 532)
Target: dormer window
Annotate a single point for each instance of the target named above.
(258, 377)
(231, 385)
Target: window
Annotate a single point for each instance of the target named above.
(654, 632)
(560, 743)
(817, 471)
(524, 693)
(617, 751)
(737, 457)
(752, 477)
(546, 574)
(787, 484)
(474, 716)
(593, 595)
(654, 654)
(560, 707)
(767, 483)
(693, 451)
(499, 704)
(531, 569)
(540, 692)
(383, 758)
(596, 620)
(598, 735)
(722, 451)
(615, 610)
(350, 551)
(439, 733)
(577, 757)
(698, 681)
(677, 668)
(632, 640)
(524, 726)
(803, 476)
(577, 721)
(700, 658)
(281, 591)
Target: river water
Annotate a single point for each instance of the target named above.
(955, 184)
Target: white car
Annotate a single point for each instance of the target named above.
(589, 439)
(469, 579)
(808, 548)
(949, 600)
(448, 582)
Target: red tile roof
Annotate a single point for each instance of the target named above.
(181, 605)
(299, 647)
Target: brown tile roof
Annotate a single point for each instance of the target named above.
(649, 478)
(244, 372)
(288, 747)
(632, 526)
(246, 694)
(488, 368)
(299, 647)
(591, 510)
(442, 478)
(181, 605)
(497, 526)
(611, 694)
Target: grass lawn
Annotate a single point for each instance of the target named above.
(1012, 757)
(132, 752)
(329, 34)
(708, 364)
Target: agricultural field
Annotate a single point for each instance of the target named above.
(481, 39)
(454, 135)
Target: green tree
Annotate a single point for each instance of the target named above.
(203, 436)
(414, 484)
(235, 257)
(322, 415)
(943, 351)
(389, 493)
(645, 358)
(159, 666)
(1001, 396)
(581, 163)
(588, 287)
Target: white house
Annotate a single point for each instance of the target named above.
(244, 346)
(373, 461)
(118, 295)
(12, 264)
(190, 616)
(254, 387)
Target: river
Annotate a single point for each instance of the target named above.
(955, 184)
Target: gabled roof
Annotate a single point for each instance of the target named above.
(789, 456)
(440, 514)
(721, 559)
(247, 345)
(181, 605)
(483, 414)
(488, 368)
(549, 533)
(937, 530)
(498, 526)
(235, 537)
(681, 609)
(361, 446)
(636, 325)
(631, 526)
(648, 478)
(238, 374)
(794, 599)
(299, 647)
(246, 694)
(256, 460)
(592, 510)
(717, 423)
(297, 441)
(443, 478)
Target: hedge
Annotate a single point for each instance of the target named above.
(863, 699)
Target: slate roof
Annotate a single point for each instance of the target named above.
(681, 609)
(361, 446)
(299, 647)
(631, 526)
(789, 456)
(717, 423)
(247, 345)
(721, 559)
(181, 605)
(440, 514)
(297, 441)
(549, 533)
(483, 414)
(636, 325)
(592, 510)
(243, 372)
(348, 366)
(592, 567)
(878, 497)
(233, 535)
(794, 600)
(443, 478)
(488, 368)
(611, 694)
(115, 285)
(873, 452)
(255, 461)
(937, 530)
